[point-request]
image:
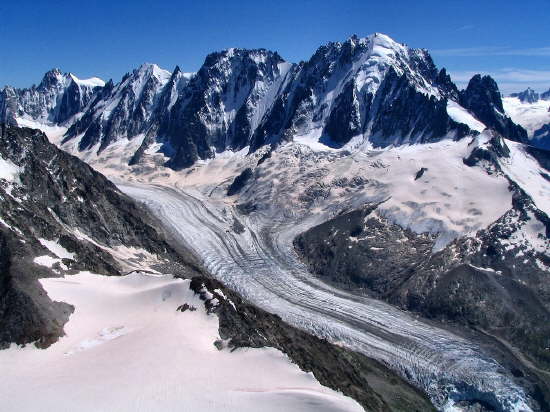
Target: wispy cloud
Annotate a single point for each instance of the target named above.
(492, 51)
(506, 74)
(508, 79)
(466, 27)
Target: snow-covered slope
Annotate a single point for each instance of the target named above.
(445, 192)
(297, 188)
(126, 335)
(58, 217)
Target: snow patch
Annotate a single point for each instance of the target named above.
(9, 171)
(54, 133)
(91, 82)
(461, 115)
(527, 173)
(56, 249)
(46, 260)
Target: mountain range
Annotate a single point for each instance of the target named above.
(364, 91)
(357, 212)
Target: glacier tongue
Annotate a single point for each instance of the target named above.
(261, 264)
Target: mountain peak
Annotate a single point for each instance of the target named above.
(152, 69)
(382, 38)
(256, 55)
(51, 78)
(482, 89)
(527, 96)
(53, 72)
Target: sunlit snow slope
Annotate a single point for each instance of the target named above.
(127, 348)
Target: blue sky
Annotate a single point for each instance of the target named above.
(508, 39)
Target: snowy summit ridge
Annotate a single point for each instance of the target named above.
(369, 91)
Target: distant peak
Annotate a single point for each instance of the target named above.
(527, 96)
(53, 72)
(257, 55)
(146, 67)
(152, 69)
(51, 77)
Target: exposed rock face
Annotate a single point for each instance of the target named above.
(26, 312)
(381, 257)
(368, 382)
(360, 88)
(483, 99)
(223, 104)
(51, 197)
(413, 116)
(542, 137)
(489, 152)
(476, 282)
(239, 182)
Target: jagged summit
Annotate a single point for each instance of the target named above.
(51, 77)
(362, 92)
(482, 98)
(154, 70)
(55, 101)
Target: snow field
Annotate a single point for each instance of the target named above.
(127, 349)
